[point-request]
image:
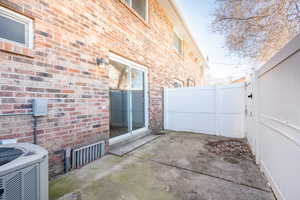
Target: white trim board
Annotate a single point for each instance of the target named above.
(23, 20)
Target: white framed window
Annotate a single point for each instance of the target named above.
(140, 6)
(16, 28)
(178, 43)
(191, 82)
(178, 83)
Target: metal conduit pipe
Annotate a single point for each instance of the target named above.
(34, 122)
(15, 114)
(35, 130)
(40, 108)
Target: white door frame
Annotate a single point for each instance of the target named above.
(133, 65)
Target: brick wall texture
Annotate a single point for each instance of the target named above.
(61, 67)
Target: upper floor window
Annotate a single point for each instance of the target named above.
(15, 28)
(140, 6)
(178, 43)
(191, 82)
(178, 83)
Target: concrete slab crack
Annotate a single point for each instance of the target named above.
(203, 173)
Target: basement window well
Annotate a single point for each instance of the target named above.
(15, 28)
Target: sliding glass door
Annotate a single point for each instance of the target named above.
(127, 98)
(137, 98)
(119, 99)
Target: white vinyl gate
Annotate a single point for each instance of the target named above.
(273, 120)
(216, 110)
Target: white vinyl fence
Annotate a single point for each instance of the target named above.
(273, 120)
(271, 116)
(216, 110)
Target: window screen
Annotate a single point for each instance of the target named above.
(127, 2)
(178, 44)
(140, 7)
(12, 30)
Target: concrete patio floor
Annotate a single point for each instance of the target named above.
(176, 166)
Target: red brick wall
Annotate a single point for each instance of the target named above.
(69, 36)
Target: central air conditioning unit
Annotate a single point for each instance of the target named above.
(23, 172)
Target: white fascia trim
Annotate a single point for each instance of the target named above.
(178, 12)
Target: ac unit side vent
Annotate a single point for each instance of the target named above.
(30, 184)
(20, 185)
(1, 189)
(13, 187)
(87, 154)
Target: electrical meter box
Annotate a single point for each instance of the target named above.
(40, 107)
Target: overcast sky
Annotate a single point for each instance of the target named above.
(198, 16)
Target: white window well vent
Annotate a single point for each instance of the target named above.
(84, 155)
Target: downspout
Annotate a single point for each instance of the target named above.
(35, 130)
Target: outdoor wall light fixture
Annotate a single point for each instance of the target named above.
(101, 62)
(250, 96)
